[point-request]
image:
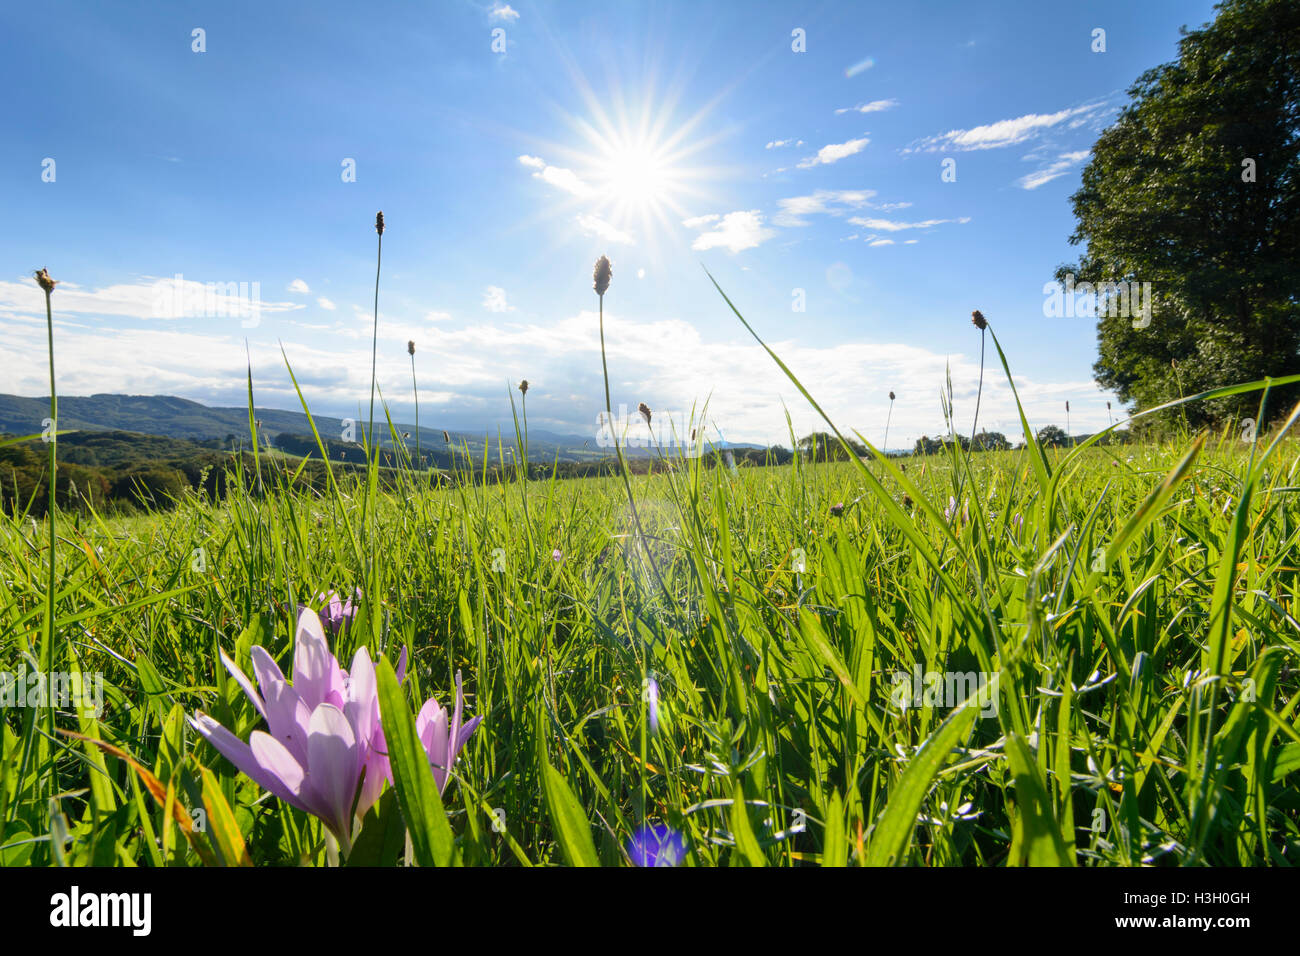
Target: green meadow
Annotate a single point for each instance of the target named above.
(1082, 657)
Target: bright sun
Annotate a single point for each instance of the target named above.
(630, 169)
(636, 177)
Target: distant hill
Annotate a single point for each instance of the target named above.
(172, 417)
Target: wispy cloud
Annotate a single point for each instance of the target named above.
(1054, 170)
(735, 231)
(892, 225)
(503, 11)
(834, 202)
(1006, 132)
(875, 106)
(326, 304)
(149, 298)
(834, 152)
(595, 226)
(299, 286)
(778, 143)
(699, 222)
(494, 299)
(557, 176)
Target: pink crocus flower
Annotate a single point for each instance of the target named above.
(951, 510)
(325, 735)
(335, 613)
(443, 740)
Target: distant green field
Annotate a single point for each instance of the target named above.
(1089, 660)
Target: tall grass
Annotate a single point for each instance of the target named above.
(1135, 613)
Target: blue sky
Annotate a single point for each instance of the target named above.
(667, 135)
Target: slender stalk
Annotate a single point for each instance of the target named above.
(374, 340)
(372, 459)
(885, 446)
(47, 652)
(416, 389)
(978, 393)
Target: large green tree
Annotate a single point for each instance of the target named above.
(1196, 189)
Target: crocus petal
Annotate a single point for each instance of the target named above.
(401, 666)
(455, 724)
(429, 716)
(265, 669)
(431, 727)
(362, 698)
(378, 771)
(316, 675)
(242, 680)
(240, 754)
(462, 738)
(275, 759)
(287, 716)
(333, 768)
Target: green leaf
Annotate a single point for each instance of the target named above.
(150, 680)
(571, 827)
(383, 834)
(221, 823)
(889, 839)
(741, 829)
(810, 629)
(1039, 838)
(417, 793)
(835, 840)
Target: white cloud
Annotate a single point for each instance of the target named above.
(875, 106)
(437, 316)
(834, 152)
(778, 143)
(1062, 165)
(560, 178)
(299, 286)
(595, 226)
(734, 231)
(1006, 132)
(494, 299)
(503, 11)
(821, 201)
(640, 273)
(326, 304)
(699, 222)
(893, 225)
(675, 365)
(150, 298)
(881, 242)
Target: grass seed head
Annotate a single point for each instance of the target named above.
(978, 320)
(523, 387)
(44, 281)
(644, 409)
(410, 346)
(603, 273)
(379, 222)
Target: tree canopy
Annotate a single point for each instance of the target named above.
(1196, 189)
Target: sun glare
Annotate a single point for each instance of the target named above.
(636, 176)
(631, 168)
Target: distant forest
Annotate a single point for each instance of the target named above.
(119, 471)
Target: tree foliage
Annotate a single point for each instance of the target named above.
(1196, 189)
